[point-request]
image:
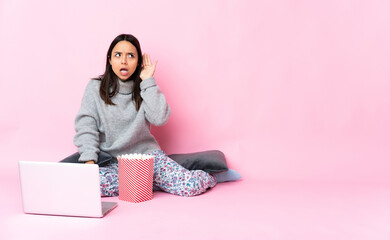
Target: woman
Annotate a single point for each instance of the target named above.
(115, 116)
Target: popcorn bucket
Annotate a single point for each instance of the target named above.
(135, 177)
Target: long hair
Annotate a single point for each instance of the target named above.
(109, 81)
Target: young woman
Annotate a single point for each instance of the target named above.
(115, 116)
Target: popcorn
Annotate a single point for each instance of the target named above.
(135, 177)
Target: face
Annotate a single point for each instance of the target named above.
(124, 59)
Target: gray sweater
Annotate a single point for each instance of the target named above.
(119, 129)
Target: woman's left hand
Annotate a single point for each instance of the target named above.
(148, 67)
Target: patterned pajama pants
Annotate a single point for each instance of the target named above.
(168, 175)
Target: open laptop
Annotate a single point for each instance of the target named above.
(66, 189)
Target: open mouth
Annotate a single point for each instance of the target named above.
(123, 71)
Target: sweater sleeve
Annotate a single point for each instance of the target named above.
(86, 126)
(156, 108)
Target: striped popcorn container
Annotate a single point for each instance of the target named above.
(135, 177)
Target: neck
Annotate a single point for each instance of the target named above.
(125, 87)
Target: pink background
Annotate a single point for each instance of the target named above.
(294, 92)
(288, 90)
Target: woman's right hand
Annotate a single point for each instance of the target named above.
(90, 162)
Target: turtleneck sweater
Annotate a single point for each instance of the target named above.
(119, 129)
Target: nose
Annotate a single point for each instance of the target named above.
(123, 59)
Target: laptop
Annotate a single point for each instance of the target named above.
(64, 189)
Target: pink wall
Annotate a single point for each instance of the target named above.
(289, 90)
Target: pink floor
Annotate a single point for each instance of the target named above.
(248, 209)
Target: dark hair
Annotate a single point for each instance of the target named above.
(109, 81)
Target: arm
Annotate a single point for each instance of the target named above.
(87, 134)
(156, 107)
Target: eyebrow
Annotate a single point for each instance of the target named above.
(122, 52)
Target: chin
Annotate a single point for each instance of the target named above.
(124, 79)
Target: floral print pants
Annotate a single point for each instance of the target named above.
(168, 175)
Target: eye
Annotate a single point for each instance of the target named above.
(117, 55)
(131, 55)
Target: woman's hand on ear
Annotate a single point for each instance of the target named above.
(148, 67)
